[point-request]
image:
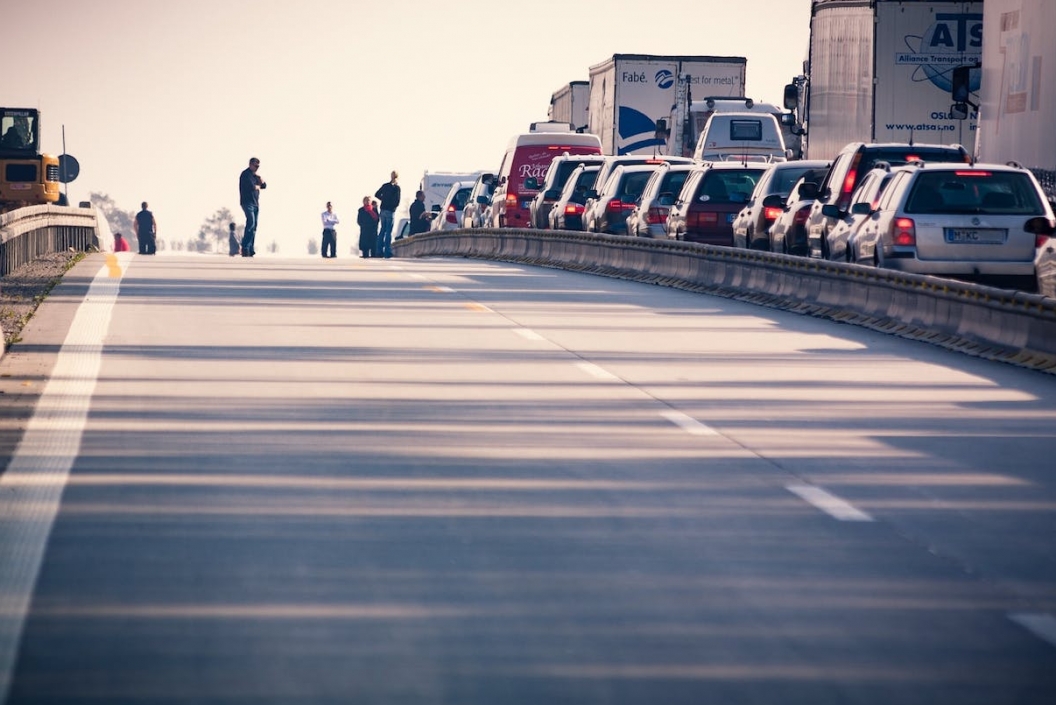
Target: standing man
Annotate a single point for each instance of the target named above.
(249, 186)
(146, 231)
(419, 219)
(389, 195)
(330, 220)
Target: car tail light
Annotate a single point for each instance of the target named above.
(772, 214)
(848, 183)
(800, 218)
(614, 206)
(511, 200)
(574, 209)
(451, 214)
(973, 173)
(904, 232)
(657, 215)
(702, 219)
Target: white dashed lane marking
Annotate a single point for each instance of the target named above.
(1039, 624)
(688, 423)
(596, 372)
(829, 503)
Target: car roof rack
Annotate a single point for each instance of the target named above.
(1014, 164)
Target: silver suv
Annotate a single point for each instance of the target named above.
(976, 222)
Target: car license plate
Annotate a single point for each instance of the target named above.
(526, 204)
(976, 236)
(730, 217)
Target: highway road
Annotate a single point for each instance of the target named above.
(452, 481)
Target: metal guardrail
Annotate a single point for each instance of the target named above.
(997, 324)
(28, 233)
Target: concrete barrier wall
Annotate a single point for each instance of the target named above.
(997, 324)
(28, 233)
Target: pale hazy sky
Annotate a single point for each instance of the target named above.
(166, 101)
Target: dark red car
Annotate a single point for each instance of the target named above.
(711, 198)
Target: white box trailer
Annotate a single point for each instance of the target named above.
(1018, 100)
(569, 104)
(630, 92)
(881, 71)
(436, 184)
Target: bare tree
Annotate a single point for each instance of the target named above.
(215, 228)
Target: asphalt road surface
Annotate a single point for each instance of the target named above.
(447, 481)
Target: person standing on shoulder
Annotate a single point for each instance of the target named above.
(418, 217)
(329, 232)
(389, 195)
(249, 186)
(146, 230)
(233, 245)
(367, 219)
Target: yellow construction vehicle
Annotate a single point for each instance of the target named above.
(27, 177)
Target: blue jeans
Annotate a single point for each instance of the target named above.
(250, 234)
(384, 248)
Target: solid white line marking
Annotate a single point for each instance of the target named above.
(688, 423)
(31, 488)
(829, 503)
(595, 371)
(441, 289)
(1039, 624)
(529, 334)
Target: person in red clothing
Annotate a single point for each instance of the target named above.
(120, 243)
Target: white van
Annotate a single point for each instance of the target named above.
(742, 136)
(524, 166)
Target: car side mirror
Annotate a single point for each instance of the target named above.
(1040, 226)
(552, 195)
(831, 211)
(531, 183)
(862, 208)
(808, 191)
(482, 200)
(435, 209)
(774, 200)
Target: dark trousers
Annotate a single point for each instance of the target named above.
(249, 236)
(147, 244)
(329, 242)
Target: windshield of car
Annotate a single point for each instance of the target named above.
(974, 191)
(726, 186)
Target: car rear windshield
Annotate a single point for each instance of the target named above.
(900, 156)
(785, 179)
(974, 191)
(632, 185)
(725, 186)
(564, 170)
(673, 182)
(461, 196)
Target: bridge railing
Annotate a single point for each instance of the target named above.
(993, 323)
(28, 233)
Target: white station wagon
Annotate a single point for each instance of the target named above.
(959, 220)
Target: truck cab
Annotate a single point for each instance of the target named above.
(27, 177)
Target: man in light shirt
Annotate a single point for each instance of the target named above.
(330, 221)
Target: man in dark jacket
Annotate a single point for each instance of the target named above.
(249, 185)
(419, 219)
(389, 195)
